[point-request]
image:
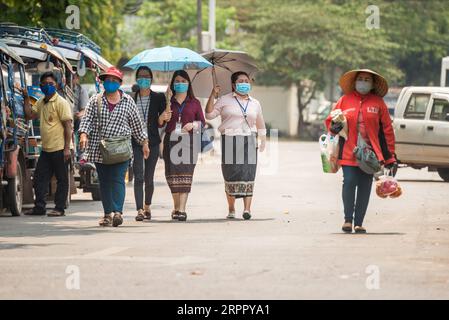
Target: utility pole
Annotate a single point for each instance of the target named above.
(212, 23)
(199, 30)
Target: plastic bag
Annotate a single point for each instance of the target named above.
(388, 186)
(330, 147)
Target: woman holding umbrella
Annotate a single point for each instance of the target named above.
(184, 117)
(241, 122)
(368, 119)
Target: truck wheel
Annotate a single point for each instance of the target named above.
(15, 192)
(96, 196)
(444, 174)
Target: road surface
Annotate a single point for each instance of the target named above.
(292, 248)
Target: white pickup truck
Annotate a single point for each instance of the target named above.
(421, 125)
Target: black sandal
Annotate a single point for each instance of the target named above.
(175, 215)
(182, 216)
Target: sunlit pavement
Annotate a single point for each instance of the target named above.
(292, 248)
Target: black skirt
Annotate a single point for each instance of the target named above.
(239, 164)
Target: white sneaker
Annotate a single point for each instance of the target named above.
(231, 215)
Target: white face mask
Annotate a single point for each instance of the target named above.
(363, 87)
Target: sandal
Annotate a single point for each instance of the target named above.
(117, 220)
(182, 216)
(231, 215)
(359, 229)
(246, 215)
(106, 221)
(140, 215)
(55, 213)
(147, 215)
(347, 227)
(175, 214)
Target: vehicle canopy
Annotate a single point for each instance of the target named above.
(39, 55)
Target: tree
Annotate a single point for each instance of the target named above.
(298, 42)
(99, 19)
(173, 22)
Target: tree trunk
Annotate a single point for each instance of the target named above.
(302, 132)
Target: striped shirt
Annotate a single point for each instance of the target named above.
(143, 105)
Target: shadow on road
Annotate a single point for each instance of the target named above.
(208, 221)
(371, 234)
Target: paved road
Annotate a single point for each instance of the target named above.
(292, 249)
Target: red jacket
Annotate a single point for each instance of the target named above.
(377, 122)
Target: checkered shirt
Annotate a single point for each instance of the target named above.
(124, 120)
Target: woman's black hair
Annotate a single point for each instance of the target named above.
(185, 75)
(235, 76)
(141, 68)
(46, 75)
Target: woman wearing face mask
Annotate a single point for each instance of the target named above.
(184, 118)
(116, 116)
(151, 106)
(367, 115)
(241, 121)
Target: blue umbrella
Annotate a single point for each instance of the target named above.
(168, 59)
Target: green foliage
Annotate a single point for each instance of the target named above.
(174, 22)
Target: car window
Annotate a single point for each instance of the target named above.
(440, 109)
(417, 106)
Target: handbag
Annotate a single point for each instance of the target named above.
(207, 140)
(115, 149)
(365, 156)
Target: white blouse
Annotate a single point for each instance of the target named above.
(232, 116)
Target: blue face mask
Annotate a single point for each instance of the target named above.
(111, 86)
(243, 88)
(144, 83)
(48, 89)
(181, 87)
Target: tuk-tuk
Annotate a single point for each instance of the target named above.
(15, 172)
(34, 47)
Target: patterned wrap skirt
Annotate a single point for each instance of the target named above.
(239, 164)
(180, 161)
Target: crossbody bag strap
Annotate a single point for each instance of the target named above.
(99, 105)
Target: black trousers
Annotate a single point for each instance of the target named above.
(144, 173)
(49, 164)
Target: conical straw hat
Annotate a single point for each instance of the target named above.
(347, 82)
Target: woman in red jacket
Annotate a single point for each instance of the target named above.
(367, 114)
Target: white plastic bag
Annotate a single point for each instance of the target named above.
(329, 145)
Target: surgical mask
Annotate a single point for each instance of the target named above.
(363, 87)
(144, 83)
(111, 86)
(243, 88)
(181, 87)
(48, 89)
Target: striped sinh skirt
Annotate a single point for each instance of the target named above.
(239, 164)
(179, 164)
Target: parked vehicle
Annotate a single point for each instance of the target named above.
(421, 124)
(15, 172)
(34, 47)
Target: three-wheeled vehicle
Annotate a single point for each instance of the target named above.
(15, 149)
(34, 47)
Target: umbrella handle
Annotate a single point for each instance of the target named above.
(214, 80)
